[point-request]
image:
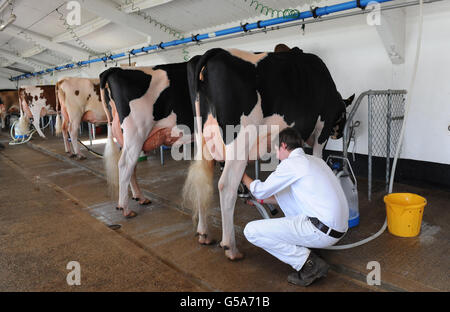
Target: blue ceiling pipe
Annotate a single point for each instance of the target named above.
(316, 12)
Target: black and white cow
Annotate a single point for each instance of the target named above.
(143, 105)
(239, 88)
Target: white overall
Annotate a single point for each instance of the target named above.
(304, 186)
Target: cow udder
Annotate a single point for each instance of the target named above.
(158, 137)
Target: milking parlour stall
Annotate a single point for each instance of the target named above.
(224, 155)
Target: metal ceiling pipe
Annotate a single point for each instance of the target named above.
(282, 26)
(241, 30)
(319, 11)
(319, 20)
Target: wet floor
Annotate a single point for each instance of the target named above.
(54, 209)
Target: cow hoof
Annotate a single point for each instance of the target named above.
(145, 202)
(131, 214)
(230, 254)
(81, 157)
(72, 155)
(234, 256)
(209, 242)
(224, 247)
(204, 240)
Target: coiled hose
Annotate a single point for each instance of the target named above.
(266, 10)
(25, 137)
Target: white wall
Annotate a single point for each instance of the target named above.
(5, 83)
(357, 60)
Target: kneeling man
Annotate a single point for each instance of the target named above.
(314, 205)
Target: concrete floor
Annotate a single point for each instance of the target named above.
(54, 210)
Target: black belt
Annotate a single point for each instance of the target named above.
(324, 228)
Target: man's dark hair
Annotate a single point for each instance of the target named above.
(291, 138)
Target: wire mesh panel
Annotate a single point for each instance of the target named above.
(385, 118)
(385, 121)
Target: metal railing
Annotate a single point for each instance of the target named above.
(385, 114)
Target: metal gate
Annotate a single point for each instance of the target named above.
(385, 117)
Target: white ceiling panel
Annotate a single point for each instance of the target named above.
(112, 37)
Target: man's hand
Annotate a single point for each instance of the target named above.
(247, 180)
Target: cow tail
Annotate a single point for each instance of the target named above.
(111, 157)
(58, 126)
(2, 115)
(196, 71)
(198, 187)
(111, 153)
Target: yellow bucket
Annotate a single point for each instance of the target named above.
(404, 213)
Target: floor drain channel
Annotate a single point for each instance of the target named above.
(114, 227)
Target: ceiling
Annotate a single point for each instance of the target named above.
(40, 37)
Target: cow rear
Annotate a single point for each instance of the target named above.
(252, 91)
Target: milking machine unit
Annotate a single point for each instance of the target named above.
(344, 172)
(20, 133)
(20, 130)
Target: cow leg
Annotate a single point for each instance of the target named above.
(2, 115)
(204, 237)
(37, 126)
(202, 229)
(65, 135)
(135, 189)
(228, 186)
(127, 164)
(318, 147)
(73, 128)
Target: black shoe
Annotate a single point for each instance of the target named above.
(313, 269)
(243, 191)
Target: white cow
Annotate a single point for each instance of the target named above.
(37, 102)
(80, 100)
